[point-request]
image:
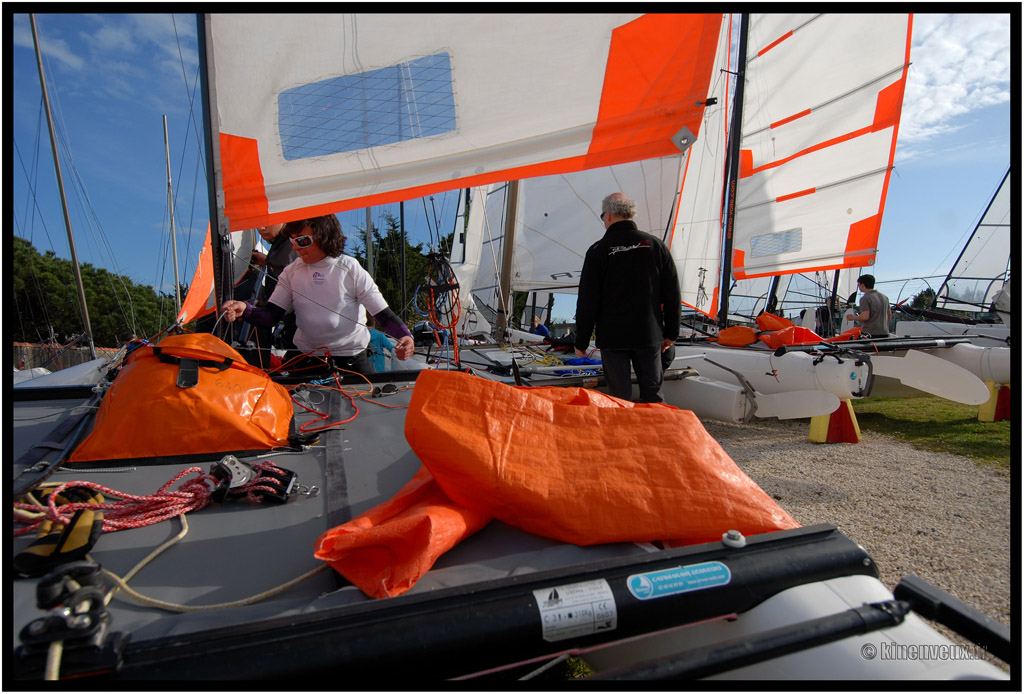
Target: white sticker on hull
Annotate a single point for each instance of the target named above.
(576, 609)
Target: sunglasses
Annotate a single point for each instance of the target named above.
(304, 241)
(388, 389)
(602, 216)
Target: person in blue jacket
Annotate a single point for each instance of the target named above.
(539, 328)
(379, 347)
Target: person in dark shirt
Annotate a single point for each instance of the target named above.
(629, 300)
(276, 259)
(875, 313)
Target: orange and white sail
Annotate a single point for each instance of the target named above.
(820, 119)
(696, 238)
(199, 301)
(315, 114)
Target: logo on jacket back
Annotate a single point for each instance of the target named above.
(619, 249)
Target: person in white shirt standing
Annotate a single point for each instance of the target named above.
(331, 295)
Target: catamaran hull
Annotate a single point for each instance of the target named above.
(987, 363)
(980, 334)
(87, 374)
(873, 656)
(982, 363)
(845, 377)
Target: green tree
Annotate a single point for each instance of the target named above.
(46, 301)
(923, 299)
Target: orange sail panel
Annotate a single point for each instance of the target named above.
(198, 301)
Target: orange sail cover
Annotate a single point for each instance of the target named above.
(571, 464)
(146, 415)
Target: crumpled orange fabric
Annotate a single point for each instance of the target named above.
(848, 334)
(384, 551)
(737, 336)
(793, 335)
(769, 321)
(570, 464)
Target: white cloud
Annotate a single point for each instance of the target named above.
(959, 64)
(52, 47)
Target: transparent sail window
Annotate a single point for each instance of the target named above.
(378, 107)
(775, 244)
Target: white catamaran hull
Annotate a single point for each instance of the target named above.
(981, 335)
(874, 656)
(964, 383)
(87, 374)
(767, 373)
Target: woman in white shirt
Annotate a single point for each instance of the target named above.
(331, 295)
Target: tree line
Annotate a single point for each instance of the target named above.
(47, 306)
(46, 297)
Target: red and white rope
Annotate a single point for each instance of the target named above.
(133, 510)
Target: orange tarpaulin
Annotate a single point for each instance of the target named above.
(793, 335)
(769, 321)
(848, 334)
(385, 550)
(570, 464)
(146, 415)
(737, 336)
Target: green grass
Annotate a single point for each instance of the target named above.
(935, 424)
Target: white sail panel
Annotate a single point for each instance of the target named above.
(696, 240)
(559, 217)
(820, 118)
(321, 113)
(465, 261)
(984, 263)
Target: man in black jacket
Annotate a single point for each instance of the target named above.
(629, 294)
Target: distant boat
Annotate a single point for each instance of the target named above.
(978, 282)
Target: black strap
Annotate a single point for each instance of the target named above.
(188, 369)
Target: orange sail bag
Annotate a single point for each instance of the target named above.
(570, 464)
(191, 395)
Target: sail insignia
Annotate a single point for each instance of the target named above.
(370, 109)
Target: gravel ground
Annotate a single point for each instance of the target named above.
(937, 515)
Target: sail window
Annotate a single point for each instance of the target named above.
(775, 244)
(393, 104)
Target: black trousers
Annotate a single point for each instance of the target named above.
(646, 364)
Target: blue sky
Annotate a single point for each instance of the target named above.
(113, 77)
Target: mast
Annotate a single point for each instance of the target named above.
(63, 198)
(771, 298)
(401, 223)
(174, 239)
(369, 242)
(734, 163)
(507, 253)
(220, 233)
